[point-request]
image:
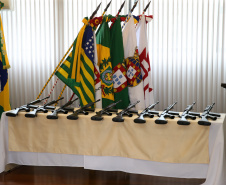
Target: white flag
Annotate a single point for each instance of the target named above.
(142, 44)
(134, 76)
(97, 76)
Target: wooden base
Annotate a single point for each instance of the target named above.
(78, 176)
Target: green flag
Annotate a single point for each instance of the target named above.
(119, 69)
(104, 62)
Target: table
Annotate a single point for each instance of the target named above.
(214, 172)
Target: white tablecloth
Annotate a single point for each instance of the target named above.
(214, 172)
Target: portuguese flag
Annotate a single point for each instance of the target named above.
(119, 68)
(104, 62)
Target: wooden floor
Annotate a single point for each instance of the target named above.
(27, 175)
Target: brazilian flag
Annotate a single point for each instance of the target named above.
(104, 62)
(4, 65)
(77, 71)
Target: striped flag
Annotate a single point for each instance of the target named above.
(4, 65)
(77, 71)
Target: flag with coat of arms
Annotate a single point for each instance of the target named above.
(119, 67)
(134, 76)
(104, 62)
(141, 33)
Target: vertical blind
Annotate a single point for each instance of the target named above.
(186, 47)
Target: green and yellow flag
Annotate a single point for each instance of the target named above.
(77, 71)
(4, 65)
(104, 62)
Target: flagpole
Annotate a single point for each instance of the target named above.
(61, 94)
(129, 15)
(145, 9)
(119, 11)
(62, 60)
(106, 8)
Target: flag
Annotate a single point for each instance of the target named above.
(4, 65)
(104, 61)
(119, 67)
(134, 77)
(77, 72)
(141, 32)
(97, 76)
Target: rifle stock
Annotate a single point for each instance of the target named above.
(98, 116)
(204, 121)
(126, 111)
(187, 115)
(53, 115)
(183, 121)
(74, 116)
(32, 114)
(13, 113)
(208, 115)
(161, 120)
(140, 119)
(146, 112)
(166, 114)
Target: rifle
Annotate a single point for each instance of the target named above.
(27, 108)
(126, 111)
(63, 109)
(208, 115)
(74, 116)
(187, 114)
(99, 114)
(166, 114)
(43, 108)
(146, 112)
